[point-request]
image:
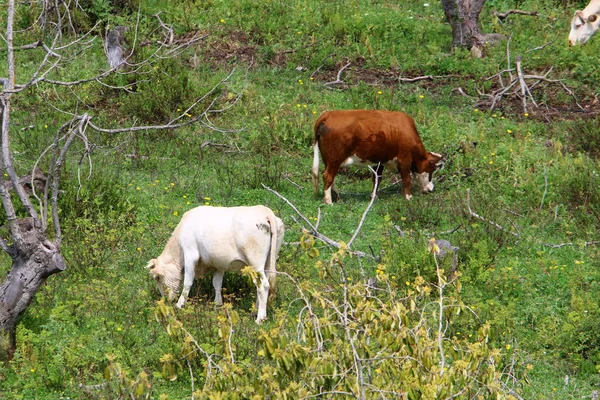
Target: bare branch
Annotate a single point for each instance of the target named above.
(545, 188)
(504, 15)
(313, 230)
(373, 196)
(584, 244)
(417, 78)
(479, 217)
(520, 82)
(539, 47)
(173, 123)
(508, 56)
(338, 80)
(167, 31)
(7, 164)
(462, 92)
(524, 89)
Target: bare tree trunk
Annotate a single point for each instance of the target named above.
(463, 16)
(36, 260)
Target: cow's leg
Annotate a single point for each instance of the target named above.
(262, 292)
(405, 174)
(191, 259)
(217, 281)
(329, 174)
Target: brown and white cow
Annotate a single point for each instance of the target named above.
(371, 138)
(220, 239)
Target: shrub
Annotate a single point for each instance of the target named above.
(352, 339)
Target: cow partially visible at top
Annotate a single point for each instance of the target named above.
(371, 138)
(585, 23)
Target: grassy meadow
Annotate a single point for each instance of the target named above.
(518, 194)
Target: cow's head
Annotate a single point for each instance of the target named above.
(426, 168)
(583, 27)
(167, 278)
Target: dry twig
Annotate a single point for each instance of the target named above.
(338, 80)
(313, 229)
(504, 15)
(479, 217)
(520, 86)
(373, 196)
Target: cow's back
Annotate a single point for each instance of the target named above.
(373, 135)
(225, 237)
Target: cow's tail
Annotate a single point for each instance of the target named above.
(271, 269)
(315, 166)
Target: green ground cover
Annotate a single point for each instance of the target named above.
(528, 288)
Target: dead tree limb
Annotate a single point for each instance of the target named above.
(338, 80)
(584, 244)
(373, 196)
(520, 86)
(479, 217)
(416, 78)
(167, 31)
(524, 89)
(504, 15)
(313, 229)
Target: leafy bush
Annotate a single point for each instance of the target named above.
(354, 339)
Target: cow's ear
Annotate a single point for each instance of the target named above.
(592, 18)
(151, 264)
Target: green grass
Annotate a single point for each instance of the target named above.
(536, 176)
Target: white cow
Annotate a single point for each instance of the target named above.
(220, 239)
(585, 23)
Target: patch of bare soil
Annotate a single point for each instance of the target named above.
(236, 46)
(548, 100)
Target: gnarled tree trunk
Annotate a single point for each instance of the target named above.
(463, 16)
(35, 260)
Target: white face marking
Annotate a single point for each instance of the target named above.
(408, 196)
(426, 184)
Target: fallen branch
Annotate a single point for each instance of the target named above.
(504, 15)
(524, 89)
(518, 86)
(417, 78)
(424, 77)
(287, 178)
(373, 196)
(545, 189)
(313, 229)
(539, 47)
(338, 80)
(462, 92)
(584, 244)
(479, 217)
